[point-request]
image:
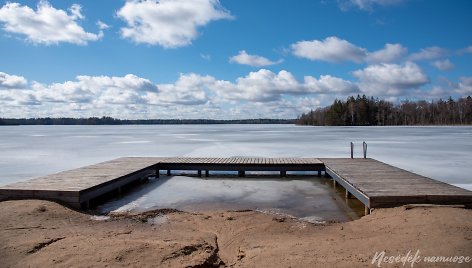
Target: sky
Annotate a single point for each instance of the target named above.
(227, 59)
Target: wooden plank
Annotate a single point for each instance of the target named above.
(375, 183)
(385, 185)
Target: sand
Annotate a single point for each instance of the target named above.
(44, 234)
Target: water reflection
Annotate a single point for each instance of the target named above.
(297, 196)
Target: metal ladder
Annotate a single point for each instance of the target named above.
(364, 149)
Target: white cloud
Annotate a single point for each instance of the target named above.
(261, 93)
(390, 79)
(443, 65)
(205, 56)
(466, 50)
(168, 23)
(12, 81)
(266, 86)
(366, 5)
(390, 53)
(252, 60)
(260, 86)
(464, 87)
(98, 89)
(102, 26)
(328, 84)
(189, 89)
(332, 49)
(47, 25)
(429, 53)
(75, 10)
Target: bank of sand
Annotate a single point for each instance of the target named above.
(45, 234)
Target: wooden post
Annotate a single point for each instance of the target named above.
(366, 210)
(283, 173)
(334, 183)
(319, 173)
(157, 173)
(241, 173)
(348, 194)
(168, 172)
(207, 173)
(199, 173)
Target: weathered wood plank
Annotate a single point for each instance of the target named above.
(375, 183)
(384, 185)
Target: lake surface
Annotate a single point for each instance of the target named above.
(442, 153)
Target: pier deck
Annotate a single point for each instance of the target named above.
(78, 186)
(377, 184)
(374, 183)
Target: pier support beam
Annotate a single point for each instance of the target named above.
(366, 210)
(283, 173)
(241, 173)
(199, 173)
(319, 173)
(207, 173)
(335, 183)
(87, 204)
(157, 173)
(168, 172)
(348, 194)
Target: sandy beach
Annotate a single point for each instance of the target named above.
(44, 234)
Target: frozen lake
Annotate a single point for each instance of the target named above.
(442, 153)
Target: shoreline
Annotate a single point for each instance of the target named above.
(41, 234)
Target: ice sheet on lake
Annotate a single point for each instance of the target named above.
(442, 153)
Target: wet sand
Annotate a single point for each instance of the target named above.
(45, 234)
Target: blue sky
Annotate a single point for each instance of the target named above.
(227, 59)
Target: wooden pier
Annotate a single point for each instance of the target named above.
(374, 183)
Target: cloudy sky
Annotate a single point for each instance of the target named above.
(227, 59)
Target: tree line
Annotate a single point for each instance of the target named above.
(114, 121)
(369, 111)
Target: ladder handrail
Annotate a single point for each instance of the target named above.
(352, 150)
(364, 149)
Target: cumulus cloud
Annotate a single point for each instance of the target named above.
(267, 86)
(443, 65)
(366, 5)
(328, 84)
(464, 87)
(332, 49)
(264, 85)
(168, 23)
(252, 60)
(429, 53)
(8, 81)
(390, 53)
(46, 25)
(390, 79)
(192, 95)
(189, 89)
(97, 89)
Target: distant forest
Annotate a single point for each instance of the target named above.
(113, 121)
(367, 111)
